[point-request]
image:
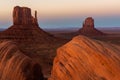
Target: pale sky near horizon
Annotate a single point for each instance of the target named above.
(65, 10)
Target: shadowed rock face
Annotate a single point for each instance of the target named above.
(22, 16)
(14, 65)
(86, 59)
(88, 23)
(88, 28)
(25, 28)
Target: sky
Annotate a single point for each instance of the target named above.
(65, 13)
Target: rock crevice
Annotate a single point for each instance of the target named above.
(14, 65)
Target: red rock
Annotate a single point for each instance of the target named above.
(88, 28)
(22, 15)
(14, 65)
(25, 28)
(86, 59)
(88, 23)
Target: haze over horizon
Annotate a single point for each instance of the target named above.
(65, 13)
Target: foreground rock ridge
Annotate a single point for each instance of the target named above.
(14, 65)
(86, 59)
(25, 27)
(88, 28)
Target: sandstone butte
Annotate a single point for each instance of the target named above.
(86, 59)
(14, 65)
(88, 28)
(25, 28)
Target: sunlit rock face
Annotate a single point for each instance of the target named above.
(86, 59)
(88, 28)
(14, 65)
(25, 28)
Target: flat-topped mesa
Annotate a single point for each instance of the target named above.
(22, 16)
(89, 29)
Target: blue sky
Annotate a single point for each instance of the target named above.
(65, 13)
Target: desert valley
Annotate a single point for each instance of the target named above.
(28, 52)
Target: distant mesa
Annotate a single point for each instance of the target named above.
(89, 29)
(86, 59)
(25, 27)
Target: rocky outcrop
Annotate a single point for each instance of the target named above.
(86, 59)
(25, 28)
(14, 65)
(31, 39)
(88, 28)
(22, 16)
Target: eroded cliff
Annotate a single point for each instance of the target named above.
(86, 59)
(14, 65)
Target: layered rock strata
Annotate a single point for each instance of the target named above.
(14, 65)
(86, 59)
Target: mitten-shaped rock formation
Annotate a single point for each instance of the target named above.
(25, 28)
(86, 59)
(22, 16)
(14, 65)
(88, 28)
